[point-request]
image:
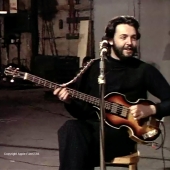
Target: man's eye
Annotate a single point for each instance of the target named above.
(134, 38)
(123, 37)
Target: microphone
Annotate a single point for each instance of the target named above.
(103, 47)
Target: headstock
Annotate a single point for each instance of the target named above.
(13, 72)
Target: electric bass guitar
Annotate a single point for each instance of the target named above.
(117, 112)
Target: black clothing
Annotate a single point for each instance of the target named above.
(79, 139)
(133, 78)
(79, 147)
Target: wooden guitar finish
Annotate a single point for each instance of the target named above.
(117, 114)
(144, 131)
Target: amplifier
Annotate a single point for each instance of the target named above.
(17, 23)
(60, 69)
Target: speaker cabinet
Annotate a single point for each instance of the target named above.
(17, 23)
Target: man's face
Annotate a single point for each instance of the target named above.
(124, 41)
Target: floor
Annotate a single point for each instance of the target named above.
(29, 120)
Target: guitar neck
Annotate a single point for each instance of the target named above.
(74, 93)
(113, 107)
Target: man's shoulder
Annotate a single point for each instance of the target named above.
(147, 66)
(141, 63)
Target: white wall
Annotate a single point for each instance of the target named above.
(104, 10)
(154, 18)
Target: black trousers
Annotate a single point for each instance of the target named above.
(79, 144)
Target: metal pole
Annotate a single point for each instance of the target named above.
(101, 81)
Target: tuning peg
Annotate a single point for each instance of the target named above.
(12, 80)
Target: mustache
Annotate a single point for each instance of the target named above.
(129, 48)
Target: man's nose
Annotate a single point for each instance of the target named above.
(129, 40)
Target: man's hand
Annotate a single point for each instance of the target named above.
(142, 111)
(62, 94)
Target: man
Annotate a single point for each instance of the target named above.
(79, 139)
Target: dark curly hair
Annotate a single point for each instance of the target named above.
(111, 27)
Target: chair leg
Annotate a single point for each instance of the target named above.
(133, 167)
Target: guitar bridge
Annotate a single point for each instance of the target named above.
(150, 134)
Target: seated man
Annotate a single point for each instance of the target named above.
(79, 139)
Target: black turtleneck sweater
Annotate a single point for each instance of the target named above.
(132, 77)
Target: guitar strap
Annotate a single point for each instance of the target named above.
(80, 73)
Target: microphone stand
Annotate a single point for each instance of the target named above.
(101, 81)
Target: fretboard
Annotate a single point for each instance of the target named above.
(113, 107)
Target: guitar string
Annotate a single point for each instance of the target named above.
(47, 83)
(112, 105)
(50, 84)
(95, 100)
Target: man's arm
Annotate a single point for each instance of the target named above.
(159, 87)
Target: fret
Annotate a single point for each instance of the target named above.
(87, 98)
(49, 84)
(45, 82)
(39, 81)
(33, 78)
(42, 82)
(83, 97)
(72, 92)
(76, 94)
(92, 100)
(30, 77)
(95, 101)
(53, 86)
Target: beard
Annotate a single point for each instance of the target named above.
(119, 51)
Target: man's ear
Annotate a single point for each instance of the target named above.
(110, 42)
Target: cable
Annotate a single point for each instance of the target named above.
(157, 146)
(163, 142)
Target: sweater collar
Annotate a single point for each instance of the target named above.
(129, 62)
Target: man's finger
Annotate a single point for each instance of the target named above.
(56, 91)
(63, 93)
(134, 107)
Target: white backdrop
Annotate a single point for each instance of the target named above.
(154, 18)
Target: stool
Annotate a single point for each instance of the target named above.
(129, 161)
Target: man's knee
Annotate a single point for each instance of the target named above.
(68, 125)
